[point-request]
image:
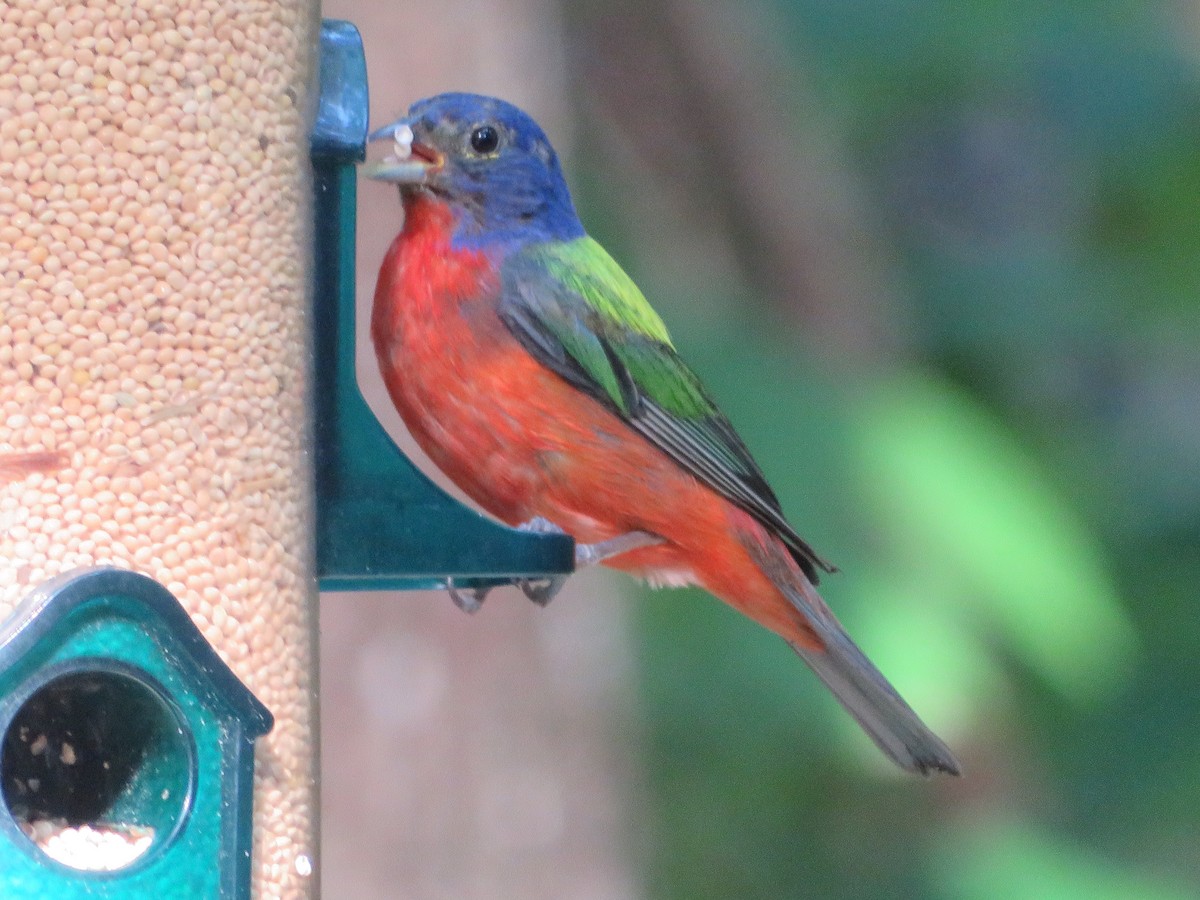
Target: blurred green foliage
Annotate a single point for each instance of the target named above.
(1015, 503)
(969, 523)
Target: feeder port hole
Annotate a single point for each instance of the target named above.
(96, 766)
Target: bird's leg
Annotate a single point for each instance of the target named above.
(542, 590)
(469, 600)
(593, 554)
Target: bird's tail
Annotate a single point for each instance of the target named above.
(862, 689)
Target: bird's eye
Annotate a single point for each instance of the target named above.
(485, 139)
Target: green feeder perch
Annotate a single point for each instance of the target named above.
(381, 524)
(127, 756)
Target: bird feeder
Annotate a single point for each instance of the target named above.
(159, 165)
(155, 275)
(381, 524)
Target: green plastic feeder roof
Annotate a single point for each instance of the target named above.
(381, 524)
(117, 714)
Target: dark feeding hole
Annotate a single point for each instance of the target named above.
(98, 750)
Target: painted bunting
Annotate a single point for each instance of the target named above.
(533, 371)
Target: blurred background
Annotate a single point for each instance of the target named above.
(938, 263)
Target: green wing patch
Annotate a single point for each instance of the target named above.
(577, 312)
(583, 267)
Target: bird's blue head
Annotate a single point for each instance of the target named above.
(489, 161)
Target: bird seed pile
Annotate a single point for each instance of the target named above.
(153, 183)
(93, 848)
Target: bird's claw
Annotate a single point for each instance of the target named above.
(469, 600)
(541, 590)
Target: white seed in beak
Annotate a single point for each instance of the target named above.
(403, 136)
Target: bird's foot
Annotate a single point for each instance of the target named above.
(469, 600)
(542, 590)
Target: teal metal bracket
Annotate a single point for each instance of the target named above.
(381, 524)
(117, 714)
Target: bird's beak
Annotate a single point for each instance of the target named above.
(410, 162)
